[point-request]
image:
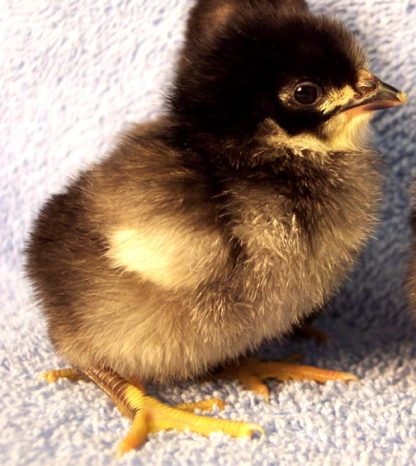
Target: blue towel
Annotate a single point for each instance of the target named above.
(71, 74)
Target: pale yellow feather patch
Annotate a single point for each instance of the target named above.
(343, 132)
(337, 98)
(173, 257)
(136, 251)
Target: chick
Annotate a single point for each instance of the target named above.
(224, 223)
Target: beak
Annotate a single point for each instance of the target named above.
(373, 94)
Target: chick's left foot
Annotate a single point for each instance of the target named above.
(253, 372)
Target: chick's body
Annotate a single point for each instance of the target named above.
(154, 266)
(231, 218)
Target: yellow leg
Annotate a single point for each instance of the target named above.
(253, 372)
(71, 374)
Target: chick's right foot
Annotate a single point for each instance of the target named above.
(150, 415)
(153, 416)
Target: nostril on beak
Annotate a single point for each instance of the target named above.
(366, 86)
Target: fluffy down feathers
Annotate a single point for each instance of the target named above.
(217, 226)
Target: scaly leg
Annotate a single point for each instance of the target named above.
(253, 372)
(69, 373)
(150, 415)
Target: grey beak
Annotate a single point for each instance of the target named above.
(374, 94)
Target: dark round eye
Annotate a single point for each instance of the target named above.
(307, 93)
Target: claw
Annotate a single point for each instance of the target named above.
(136, 436)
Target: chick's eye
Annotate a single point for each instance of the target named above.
(307, 93)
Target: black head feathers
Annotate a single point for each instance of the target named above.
(209, 17)
(239, 56)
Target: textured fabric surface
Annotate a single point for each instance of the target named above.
(71, 74)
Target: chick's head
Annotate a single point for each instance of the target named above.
(250, 61)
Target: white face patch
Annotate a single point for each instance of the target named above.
(342, 133)
(347, 132)
(352, 137)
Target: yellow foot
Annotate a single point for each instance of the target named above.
(253, 372)
(205, 405)
(150, 415)
(153, 416)
(69, 373)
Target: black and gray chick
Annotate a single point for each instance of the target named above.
(232, 217)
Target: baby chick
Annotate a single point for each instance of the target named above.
(224, 223)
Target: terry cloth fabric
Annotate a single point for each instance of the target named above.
(71, 74)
